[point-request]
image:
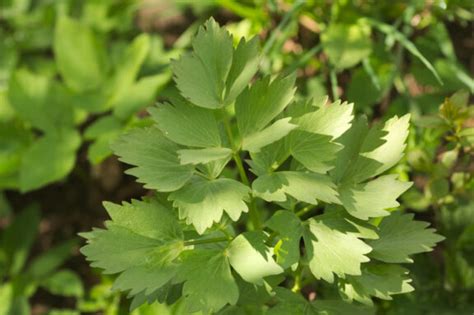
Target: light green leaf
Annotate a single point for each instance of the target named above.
(346, 44)
(244, 66)
(208, 281)
(380, 281)
(270, 157)
(65, 283)
(202, 202)
(274, 132)
(400, 237)
(141, 94)
(306, 187)
(39, 101)
(79, 55)
(290, 230)
(251, 258)
(201, 76)
(373, 198)
(331, 120)
(203, 156)
(44, 265)
(155, 158)
(316, 152)
(187, 124)
(141, 243)
(49, 159)
(333, 251)
(128, 67)
(259, 104)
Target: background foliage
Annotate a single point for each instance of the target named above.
(76, 74)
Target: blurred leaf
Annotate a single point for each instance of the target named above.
(65, 283)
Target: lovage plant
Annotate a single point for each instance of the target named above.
(263, 203)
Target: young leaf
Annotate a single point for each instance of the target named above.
(202, 202)
(155, 158)
(400, 237)
(208, 282)
(251, 258)
(331, 251)
(290, 230)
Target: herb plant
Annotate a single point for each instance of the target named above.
(261, 199)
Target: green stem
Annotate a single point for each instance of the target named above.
(254, 216)
(206, 241)
(333, 78)
(305, 210)
(297, 285)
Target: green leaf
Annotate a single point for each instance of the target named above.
(141, 243)
(128, 67)
(290, 230)
(41, 102)
(201, 76)
(202, 156)
(400, 237)
(333, 251)
(202, 202)
(346, 44)
(186, 124)
(49, 159)
(141, 94)
(331, 120)
(79, 55)
(306, 187)
(270, 157)
(380, 281)
(293, 303)
(251, 258)
(373, 198)
(244, 66)
(65, 283)
(208, 281)
(18, 238)
(259, 104)
(274, 132)
(155, 158)
(316, 152)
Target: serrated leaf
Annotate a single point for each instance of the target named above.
(49, 159)
(272, 133)
(332, 251)
(290, 230)
(251, 258)
(78, 54)
(306, 187)
(202, 202)
(400, 237)
(186, 124)
(372, 199)
(155, 158)
(208, 282)
(380, 281)
(201, 76)
(244, 66)
(141, 243)
(202, 156)
(259, 104)
(331, 120)
(316, 152)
